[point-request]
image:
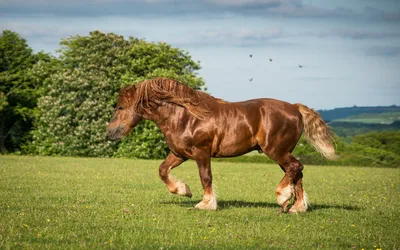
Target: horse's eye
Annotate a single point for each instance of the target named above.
(120, 108)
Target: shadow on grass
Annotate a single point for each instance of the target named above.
(329, 206)
(227, 204)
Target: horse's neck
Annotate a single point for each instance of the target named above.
(167, 116)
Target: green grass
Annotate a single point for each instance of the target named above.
(71, 203)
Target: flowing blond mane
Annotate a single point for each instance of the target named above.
(152, 93)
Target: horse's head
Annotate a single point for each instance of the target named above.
(125, 118)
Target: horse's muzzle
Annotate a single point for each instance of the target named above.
(114, 133)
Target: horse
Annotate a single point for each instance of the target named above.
(199, 126)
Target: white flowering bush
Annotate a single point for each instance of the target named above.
(80, 92)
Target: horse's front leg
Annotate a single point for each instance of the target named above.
(174, 186)
(209, 201)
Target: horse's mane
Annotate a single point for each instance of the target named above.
(152, 93)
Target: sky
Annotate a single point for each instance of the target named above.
(349, 50)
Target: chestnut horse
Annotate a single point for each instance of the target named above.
(198, 126)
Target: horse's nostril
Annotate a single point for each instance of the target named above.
(114, 133)
(110, 134)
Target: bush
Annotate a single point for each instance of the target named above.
(80, 93)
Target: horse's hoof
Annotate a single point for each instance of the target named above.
(295, 210)
(183, 189)
(207, 205)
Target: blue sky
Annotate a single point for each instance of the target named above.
(349, 50)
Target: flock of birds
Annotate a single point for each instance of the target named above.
(251, 56)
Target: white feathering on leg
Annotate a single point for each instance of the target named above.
(306, 201)
(286, 194)
(209, 202)
(300, 207)
(182, 189)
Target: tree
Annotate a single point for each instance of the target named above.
(387, 140)
(81, 93)
(18, 93)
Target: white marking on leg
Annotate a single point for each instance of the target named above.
(183, 189)
(178, 187)
(209, 202)
(285, 194)
(302, 207)
(305, 200)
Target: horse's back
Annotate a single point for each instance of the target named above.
(263, 108)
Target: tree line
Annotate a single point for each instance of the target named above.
(61, 105)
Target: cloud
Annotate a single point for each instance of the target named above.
(250, 3)
(365, 34)
(122, 17)
(355, 34)
(48, 32)
(34, 30)
(215, 8)
(282, 8)
(241, 37)
(317, 78)
(180, 35)
(231, 38)
(383, 51)
(73, 2)
(378, 14)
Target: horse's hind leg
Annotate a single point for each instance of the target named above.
(291, 184)
(174, 186)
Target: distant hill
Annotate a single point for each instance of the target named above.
(350, 129)
(352, 121)
(375, 118)
(357, 113)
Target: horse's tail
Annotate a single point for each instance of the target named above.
(317, 132)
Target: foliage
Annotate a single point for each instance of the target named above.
(80, 203)
(370, 149)
(69, 121)
(379, 149)
(80, 92)
(388, 141)
(18, 91)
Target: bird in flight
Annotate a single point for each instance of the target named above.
(300, 66)
(270, 60)
(251, 79)
(251, 55)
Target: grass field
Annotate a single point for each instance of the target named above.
(71, 203)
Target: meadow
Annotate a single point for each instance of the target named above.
(71, 203)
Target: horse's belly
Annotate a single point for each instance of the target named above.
(234, 146)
